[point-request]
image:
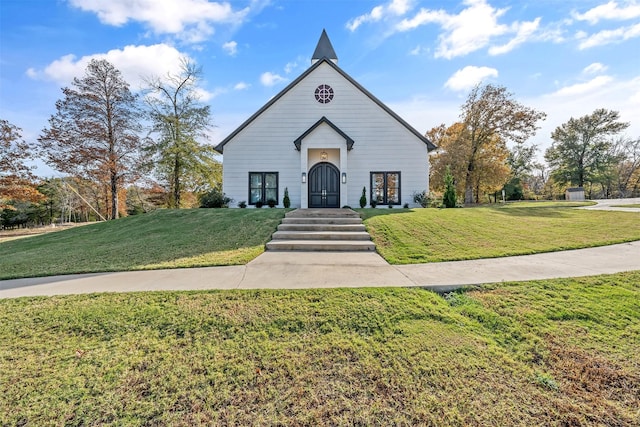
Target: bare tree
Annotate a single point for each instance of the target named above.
(94, 133)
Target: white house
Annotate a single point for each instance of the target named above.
(324, 137)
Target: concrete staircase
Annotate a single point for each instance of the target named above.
(321, 230)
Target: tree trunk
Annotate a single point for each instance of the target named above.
(468, 187)
(176, 184)
(114, 197)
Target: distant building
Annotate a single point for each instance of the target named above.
(324, 137)
(574, 194)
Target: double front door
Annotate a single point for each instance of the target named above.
(324, 186)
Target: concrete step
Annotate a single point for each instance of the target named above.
(321, 227)
(321, 245)
(322, 213)
(321, 230)
(321, 220)
(321, 235)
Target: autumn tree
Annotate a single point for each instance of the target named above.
(489, 116)
(95, 132)
(15, 175)
(490, 170)
(179, 121)
(627, 170)
(581, 148)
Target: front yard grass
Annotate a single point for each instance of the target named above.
(410, 236)
(161, 239)
(553, 352)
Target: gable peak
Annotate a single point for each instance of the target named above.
(324, 49)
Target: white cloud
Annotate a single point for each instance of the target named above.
(189, 19)
(296, 64)
(471, 29)
(580, 100)
(418, 50)
(609, 36)
(134, 62)
(271, 79)
(595, 68)
(523, 30)
(242, 86)
(609, 10)
(469, 76)
(393, 8)
(231, 48)
(584, 88)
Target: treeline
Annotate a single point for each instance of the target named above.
(488, 152)
(116, 152)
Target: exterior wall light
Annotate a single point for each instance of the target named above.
(344, 177)
(304, 177)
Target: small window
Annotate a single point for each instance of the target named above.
(385, 188)
(263, 186)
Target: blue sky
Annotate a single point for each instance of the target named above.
(421, 58)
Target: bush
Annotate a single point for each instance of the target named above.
(259, 204)
(272, 203)
(449, 198)
(422, 198)
(286, 202)
(215, 199)
(374, 203)
(363, 198)
(242, 204)
(406, 206)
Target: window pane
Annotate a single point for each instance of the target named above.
(393, 188)
(255, 180)
(377, 189)
(271, 180)
(271, 193)
(255, 196)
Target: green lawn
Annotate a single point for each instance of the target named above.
(409, 236)
(161, 239)
(555, 352)
(635, 205)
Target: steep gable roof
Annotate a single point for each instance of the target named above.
(328, 61)
(348, 140)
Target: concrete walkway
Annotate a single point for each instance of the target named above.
(614, 205)
(294, 270)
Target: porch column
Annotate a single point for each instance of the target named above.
(343, 169)
(304, 168)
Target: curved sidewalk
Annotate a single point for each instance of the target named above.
(297, 270)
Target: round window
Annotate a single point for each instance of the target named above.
(324, 94)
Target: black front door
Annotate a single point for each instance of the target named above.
(324, 186)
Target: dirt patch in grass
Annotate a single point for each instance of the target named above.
(598, 388)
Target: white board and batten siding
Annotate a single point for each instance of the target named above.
(381, 142)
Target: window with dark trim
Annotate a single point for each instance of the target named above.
(385, 188)
(263, 186)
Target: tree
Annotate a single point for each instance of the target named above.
(581, 147)
(490, 170)
(449, 198)
(179, 119)
(490, 116)
(627, 171)
(15, 176)
(94, 133)
(521, 162)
